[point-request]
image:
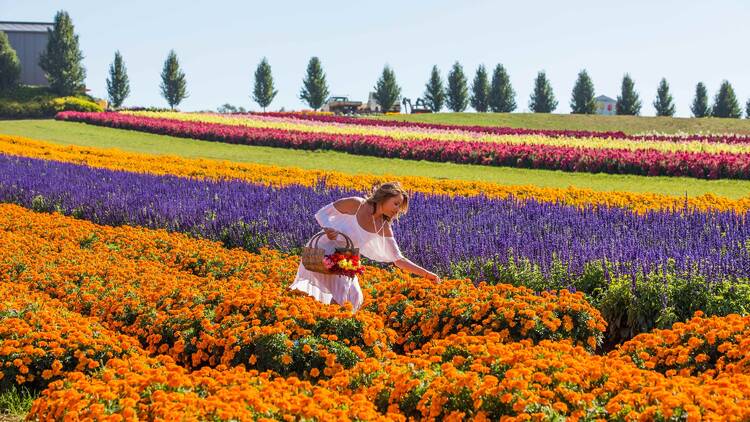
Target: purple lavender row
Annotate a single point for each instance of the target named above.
(456, 236)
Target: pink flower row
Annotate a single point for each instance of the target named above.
(618, 161)
(498, 130)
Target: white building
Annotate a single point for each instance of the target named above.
(605, 105)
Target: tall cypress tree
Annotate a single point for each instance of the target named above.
(387, 91)
(628, 102)
(434, 92)
(173, 83)
(700, 102)
(663, 103)
(582, 99)
(118, 86)
(542, 99)
(314, 87)
(457, 93)
(263, 92)
(480, 90)
(10, 67)
(747, 109)
(725, 102)
(61, 60)
(502, 96)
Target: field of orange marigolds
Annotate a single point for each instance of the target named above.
(142, 323)
(151, 287)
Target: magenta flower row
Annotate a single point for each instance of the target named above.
(594, 160)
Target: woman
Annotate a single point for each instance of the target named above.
(368, 223)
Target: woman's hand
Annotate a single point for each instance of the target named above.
(331, 233)
(433, 277)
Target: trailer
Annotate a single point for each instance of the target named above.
(341, 105)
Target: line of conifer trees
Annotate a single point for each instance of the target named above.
(62, 63)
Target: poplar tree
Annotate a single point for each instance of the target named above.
(387, 91)
(118, 86)
(502, 96)
(434, 93)
(700, 102)
(10, 67)
(61, 60)
(628, 102)
(173, 83)
(480, 90)
(457, 93)
(663, 103)
(582, 100)
(314, 87)
(542, 99)
(725, 102)
(263, 92)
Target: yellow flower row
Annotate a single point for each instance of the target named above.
(404, 133)
(280, 176)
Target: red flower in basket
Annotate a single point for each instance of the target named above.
(343, 264)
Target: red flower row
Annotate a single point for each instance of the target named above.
(730, 138)
(595, 160)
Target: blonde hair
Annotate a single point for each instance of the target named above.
(384, 191)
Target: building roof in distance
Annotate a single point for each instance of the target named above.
(604, 99)
(6, 26)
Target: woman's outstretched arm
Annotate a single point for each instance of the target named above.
(413, 268)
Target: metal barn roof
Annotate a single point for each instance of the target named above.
(6, 26)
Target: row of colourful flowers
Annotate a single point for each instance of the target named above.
(179, 298)
(41, 341)
(483, 378)
(457, 378)
(640, 270)
(577, 159)
(701, 345)
(143, 388)
(679, 137)
(86, 371)
(285, 176)
(401, 133)
(204, 305)
(420, 310)
(447, 375)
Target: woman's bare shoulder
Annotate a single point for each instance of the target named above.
(348, 205)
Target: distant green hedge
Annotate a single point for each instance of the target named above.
(36, 102)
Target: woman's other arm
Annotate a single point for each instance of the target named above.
(413, 268)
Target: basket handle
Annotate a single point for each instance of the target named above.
(318, 235)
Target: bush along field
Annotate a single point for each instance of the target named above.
(38, 102)
(138, 286)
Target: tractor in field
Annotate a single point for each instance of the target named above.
(419, 107)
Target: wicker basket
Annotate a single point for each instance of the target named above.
(312, 255)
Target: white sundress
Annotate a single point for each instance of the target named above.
(325, 287)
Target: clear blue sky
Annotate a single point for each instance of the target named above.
(219, 44)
